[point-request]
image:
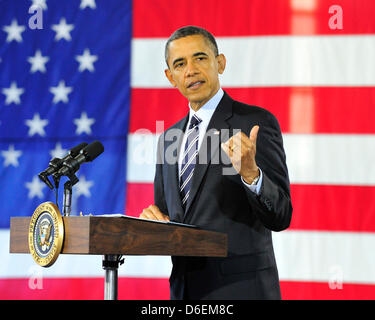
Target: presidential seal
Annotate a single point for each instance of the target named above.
(46, 234)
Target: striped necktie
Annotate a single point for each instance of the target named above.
(189, 159)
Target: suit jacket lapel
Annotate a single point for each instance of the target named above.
(218, 123)
(172, 169)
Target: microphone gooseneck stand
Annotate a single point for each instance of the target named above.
(67, 202)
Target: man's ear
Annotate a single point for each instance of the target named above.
(168, 74)
(222, 61)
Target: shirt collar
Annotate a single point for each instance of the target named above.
(206, 111)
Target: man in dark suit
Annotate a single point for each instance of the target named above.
(194, 183)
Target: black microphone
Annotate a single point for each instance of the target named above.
(72, 165)
(56, 163)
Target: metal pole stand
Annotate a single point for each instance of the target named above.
(110, 264)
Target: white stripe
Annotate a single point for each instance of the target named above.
(186, 197)
(70, 265)
(331, 159)
(188, 163)
(325, 256)
(300, 256)
(271, 61)
(187, 180)
(190, 145)
(311, 158)
(141, 157)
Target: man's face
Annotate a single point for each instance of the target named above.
(194, 69)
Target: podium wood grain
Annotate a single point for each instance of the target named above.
(119, 235)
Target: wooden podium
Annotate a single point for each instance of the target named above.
(113, 237)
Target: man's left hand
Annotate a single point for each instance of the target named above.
(241, 151)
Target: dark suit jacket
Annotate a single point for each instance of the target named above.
(222, 203)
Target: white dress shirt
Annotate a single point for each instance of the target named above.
(205, 114)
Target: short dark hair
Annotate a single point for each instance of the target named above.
(190, 31)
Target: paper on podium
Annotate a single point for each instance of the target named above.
(120, 215)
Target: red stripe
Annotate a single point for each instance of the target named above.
(158, 289)
(138, 197)
(151, 105)
(315, 207)
(298, 109)
(84, 289)
(333, 208)
(244, 18)
(298, 290)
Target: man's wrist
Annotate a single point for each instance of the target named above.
(255, 188)
(252, 178)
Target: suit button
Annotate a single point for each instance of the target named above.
(268, 204)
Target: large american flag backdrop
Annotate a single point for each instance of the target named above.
(95, 72)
